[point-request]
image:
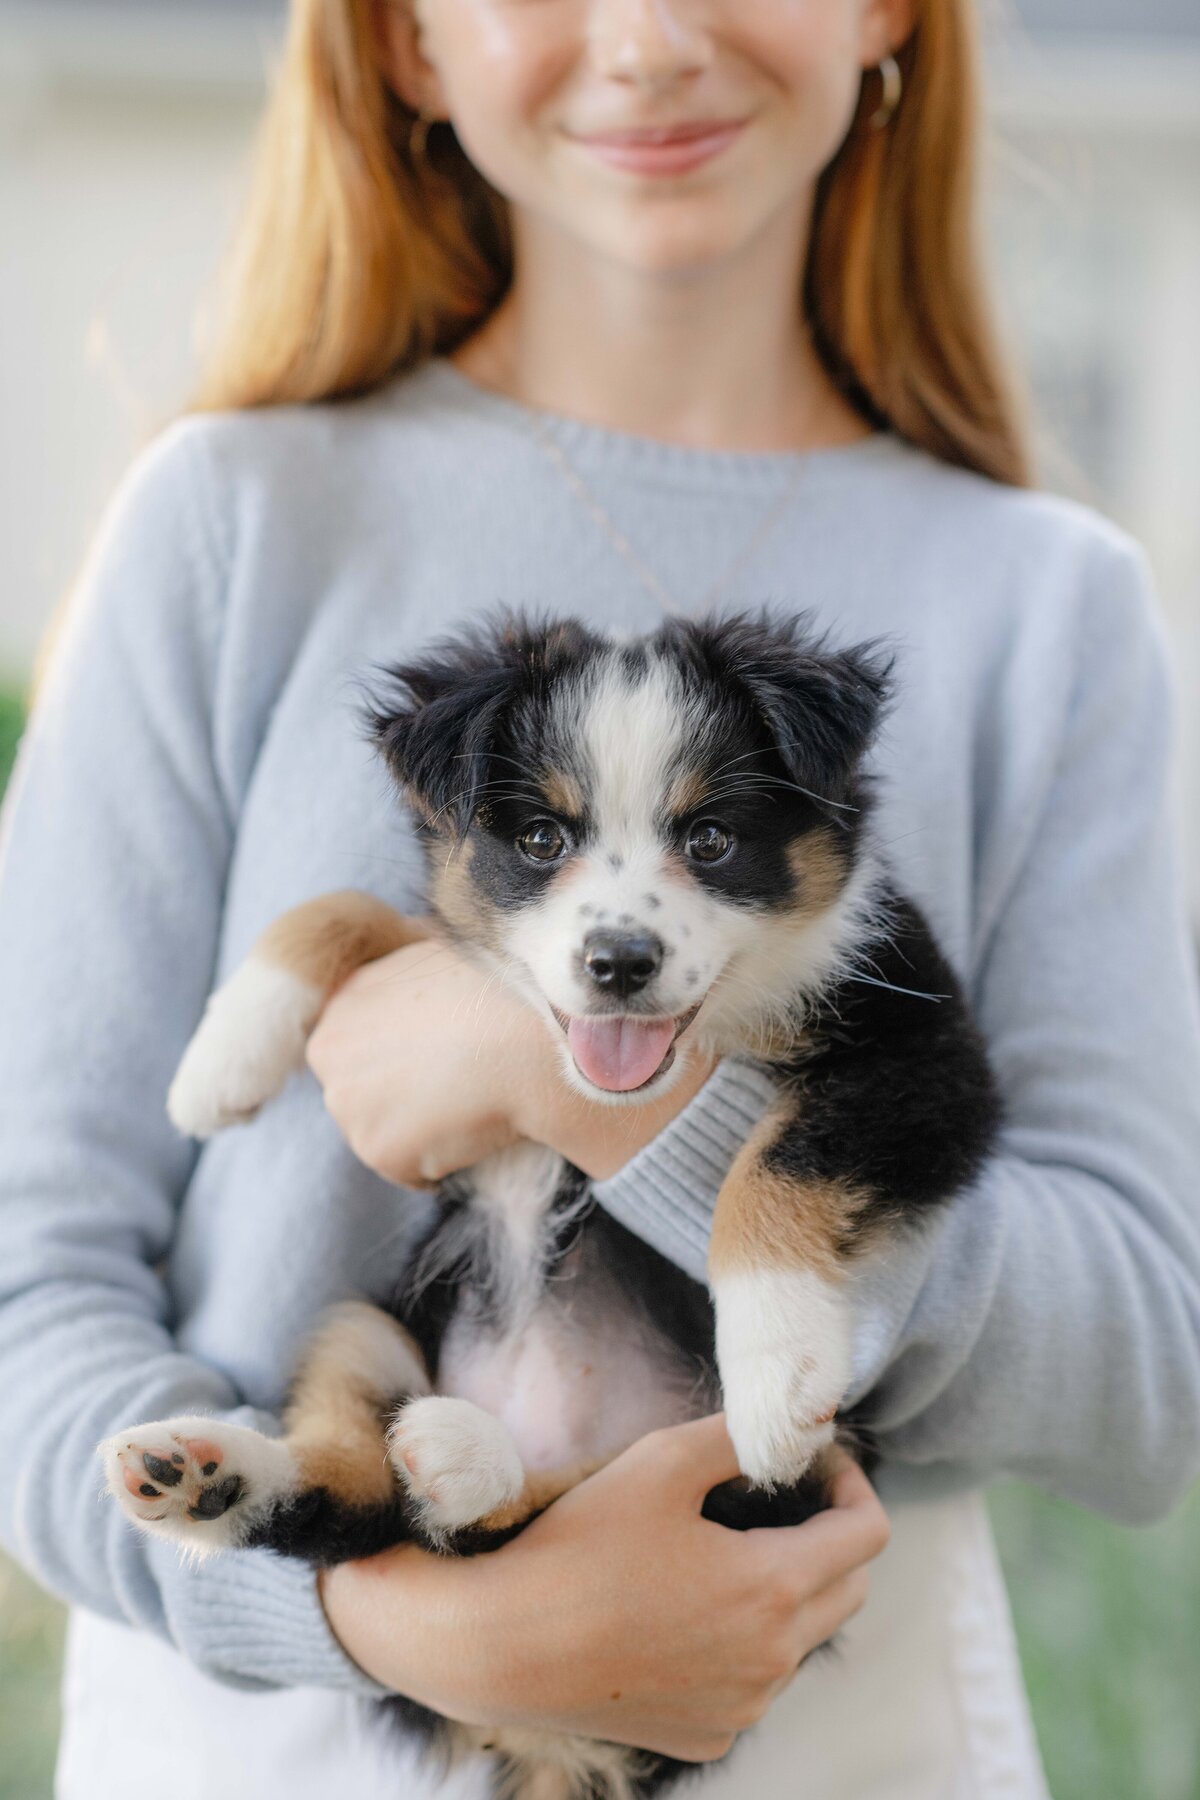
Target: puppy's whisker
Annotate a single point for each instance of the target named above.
(394, 862)
(495, 975)
(467, 793)
(916, 994)
(491, 756)
(903, 837)
(399, 977)
(778, 781)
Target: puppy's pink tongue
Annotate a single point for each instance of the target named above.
(619, 1054)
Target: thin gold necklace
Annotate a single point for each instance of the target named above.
(543, 434)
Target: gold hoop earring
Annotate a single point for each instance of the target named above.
(893, 87)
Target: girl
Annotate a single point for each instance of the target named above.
(602, 307)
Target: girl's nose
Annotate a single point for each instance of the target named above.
(650, 43)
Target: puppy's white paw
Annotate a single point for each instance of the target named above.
(196, 1481)
(251, 1038)
(783, 1348)
(456, 1459)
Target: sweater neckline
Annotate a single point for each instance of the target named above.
(605, 445)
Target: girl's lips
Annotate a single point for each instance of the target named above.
(663, 155)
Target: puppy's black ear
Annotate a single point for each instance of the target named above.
(435, 721)
(821, 707)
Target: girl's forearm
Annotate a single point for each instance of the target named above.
(619, 1613)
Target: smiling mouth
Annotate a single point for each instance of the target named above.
(686, 131)
(621, 1053)
(673, 155)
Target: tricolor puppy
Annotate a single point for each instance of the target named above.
(666, 846)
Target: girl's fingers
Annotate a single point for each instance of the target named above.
(850, 1486)
(854, 1530)
(696, 1457)
(854, 1498)
(831, 1607)
(711, 1456)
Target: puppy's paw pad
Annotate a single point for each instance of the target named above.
(456, 1459)
(193, 1480)
(160, 1476)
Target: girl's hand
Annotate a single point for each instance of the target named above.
(620, 1613)
(428, 1064)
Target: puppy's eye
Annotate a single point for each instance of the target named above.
(709, 842)
(543, 842)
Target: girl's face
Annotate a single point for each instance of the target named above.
(545, 95)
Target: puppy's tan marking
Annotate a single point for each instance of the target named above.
(563, 793)
(325, 940)
(358, 1366)
(687, 792)
(766, 1220)
(819, 869)
(459, 902)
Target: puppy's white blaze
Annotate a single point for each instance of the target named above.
(630, 731)
(264, 1465)
(783, 1349)
(251, 1038)
(698, 933)
(459, 1461)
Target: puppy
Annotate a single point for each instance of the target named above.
(666, 846)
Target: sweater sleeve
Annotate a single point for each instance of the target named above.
(116, 840)
(1048, 1326)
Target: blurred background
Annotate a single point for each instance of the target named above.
(125, 128)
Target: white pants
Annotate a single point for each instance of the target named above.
(924, 1702)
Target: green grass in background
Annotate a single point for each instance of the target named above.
(31, 1626)
(31, 1630)
(1108, 1622)
(12, 717)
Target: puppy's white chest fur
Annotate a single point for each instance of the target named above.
(572, 1368)
(566, 1393)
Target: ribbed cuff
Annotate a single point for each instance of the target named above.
(254, 1620)
(666, 1193)
(250, 1618)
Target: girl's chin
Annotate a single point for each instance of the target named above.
(651, 235)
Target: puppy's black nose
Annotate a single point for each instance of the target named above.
(622, 962)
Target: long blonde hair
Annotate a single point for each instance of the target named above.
(357, 261)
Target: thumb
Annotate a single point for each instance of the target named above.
(703, 1454)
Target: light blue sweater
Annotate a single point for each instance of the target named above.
(194, 767)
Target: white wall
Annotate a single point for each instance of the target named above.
(1096, 235)
(112, 209)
